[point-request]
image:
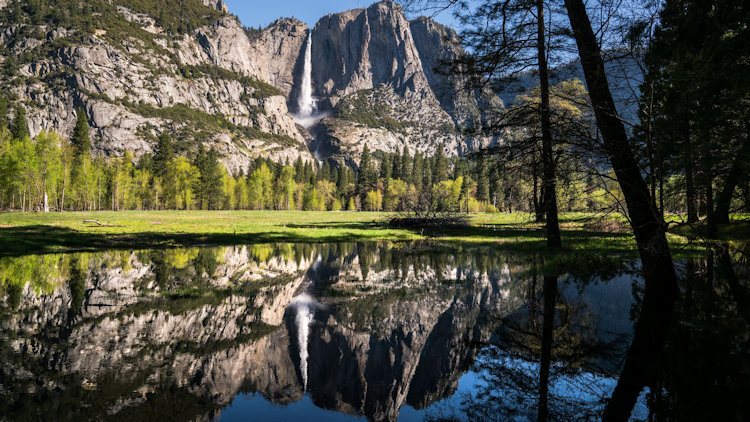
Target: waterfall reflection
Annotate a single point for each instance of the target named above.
(386, 331)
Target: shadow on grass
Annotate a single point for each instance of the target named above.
(36, 239)
(40, 239)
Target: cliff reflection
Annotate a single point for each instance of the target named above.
(377, 330)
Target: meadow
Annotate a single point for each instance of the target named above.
(22, 233)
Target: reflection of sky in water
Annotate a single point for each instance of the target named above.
(255, 407)
(584, 388)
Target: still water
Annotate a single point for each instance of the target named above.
(360, 331)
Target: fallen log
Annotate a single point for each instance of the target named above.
(100, 224)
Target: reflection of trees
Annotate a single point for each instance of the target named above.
(546, 361)
(405, 333)
(705, 373)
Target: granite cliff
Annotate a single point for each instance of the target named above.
(139, 69)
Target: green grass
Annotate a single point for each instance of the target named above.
(23, 233)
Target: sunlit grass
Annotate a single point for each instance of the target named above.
(53, 232)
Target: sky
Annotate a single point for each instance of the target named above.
(256, 13)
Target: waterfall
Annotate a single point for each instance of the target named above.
(307, 114)
(305, 101)
(304, 306)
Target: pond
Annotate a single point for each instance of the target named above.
(359, 331)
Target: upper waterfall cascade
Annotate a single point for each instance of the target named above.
(307, 105)
(306, 102)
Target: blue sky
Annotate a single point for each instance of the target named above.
(262, 12)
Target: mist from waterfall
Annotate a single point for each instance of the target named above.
(307, 105)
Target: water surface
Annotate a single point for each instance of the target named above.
(365, 331)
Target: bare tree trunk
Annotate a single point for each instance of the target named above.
(656, 258)
(548, 160)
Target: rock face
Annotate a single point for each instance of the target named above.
(212, 81)
(278, 51)
(364, 48)
(116, 332)
(208, 84)
(378, 73)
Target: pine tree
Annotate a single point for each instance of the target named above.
(325, 172)
(163, 155)
(483, 182)
(80, 138)
(208, 188)
(364, 169)
(418, 171)
(405, 170)
(427, 175)
(3, 112)
(396, 166)
(19, 128)
(440, 169)
(299, 170)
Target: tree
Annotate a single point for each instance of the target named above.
(80, 138)
(208, 187)
(180, 178)
(19, 128)
(374, 200)
(260, 188)
(440, 170)
(649, 230)
(367, 178)
(288, 186)
(483, 182)
(3, 112)
(163, 154)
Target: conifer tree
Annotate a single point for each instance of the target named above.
(80, 138)
(3, 112)
(396, 166)
(163, 155)
(208, 187)
(19, 128)
(363, 177)
(483, 183)
(405, 170)
(440, 169)
(299, 170)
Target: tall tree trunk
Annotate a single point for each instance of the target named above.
(692, 210)
(548, 326)
(656, 258)
(548, 160)
(708, 185)
(737, 172)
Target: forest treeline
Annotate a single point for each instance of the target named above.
(50, 172)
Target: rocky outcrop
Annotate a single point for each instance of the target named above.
(216, 4)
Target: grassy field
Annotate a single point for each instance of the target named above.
(22, 233)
